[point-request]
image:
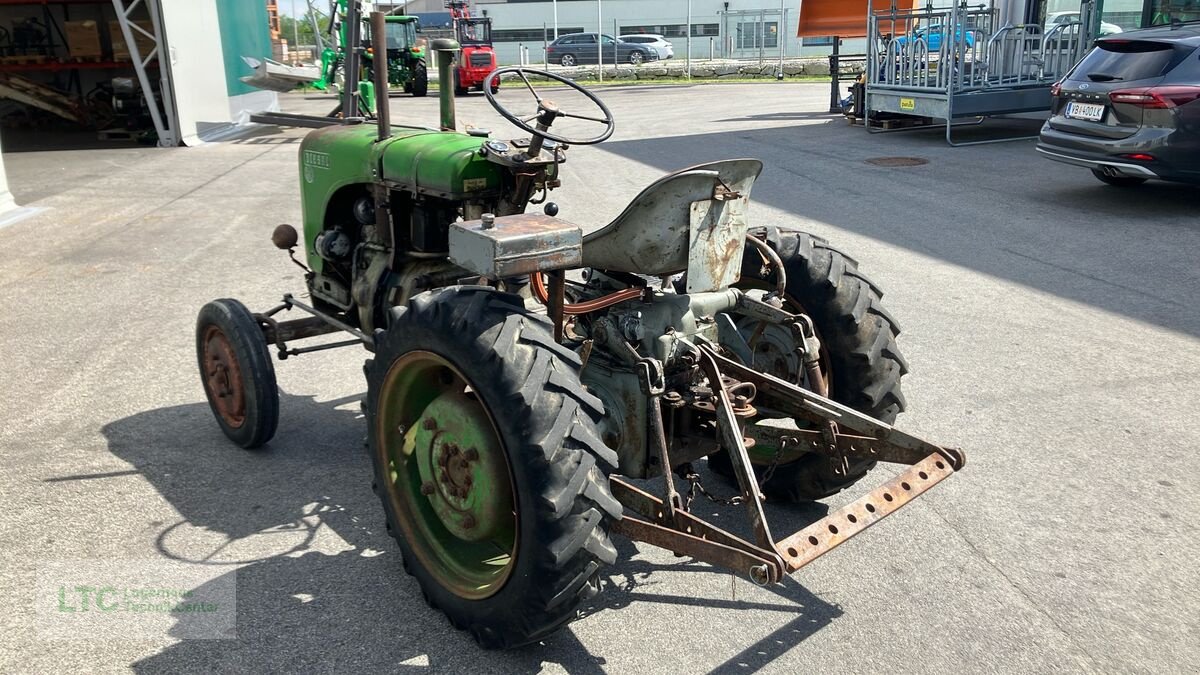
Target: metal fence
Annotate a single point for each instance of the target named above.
(761, 35)
(918, 50)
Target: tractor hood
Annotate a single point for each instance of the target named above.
(341, 159)
(442, 164)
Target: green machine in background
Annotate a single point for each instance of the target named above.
(405, 56)
(406, 65)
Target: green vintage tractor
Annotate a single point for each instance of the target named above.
(525, 370)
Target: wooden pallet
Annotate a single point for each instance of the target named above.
(889, 124)
(24, 59)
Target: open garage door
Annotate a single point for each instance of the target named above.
(201, 49)
(111, 77)
(6, 199)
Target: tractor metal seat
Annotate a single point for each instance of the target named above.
(652, 236)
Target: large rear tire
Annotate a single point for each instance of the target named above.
(420, 81)
(861, 362)
(507, 537)
(237, 372)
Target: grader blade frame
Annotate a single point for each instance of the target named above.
(846, 435)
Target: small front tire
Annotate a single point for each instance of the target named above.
(238, 376)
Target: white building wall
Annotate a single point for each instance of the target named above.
(6, 199)
(532, 17)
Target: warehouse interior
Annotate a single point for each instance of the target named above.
(98, 66)
(114, 75)
(67, 76)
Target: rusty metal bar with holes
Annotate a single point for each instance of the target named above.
(833, 530)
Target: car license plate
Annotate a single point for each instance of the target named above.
(1085, 111)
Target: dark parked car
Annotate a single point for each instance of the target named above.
(1130, 110)
(577, 48)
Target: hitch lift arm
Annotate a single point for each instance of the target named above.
(769, 560)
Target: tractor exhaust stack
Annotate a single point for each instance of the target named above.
(383, 106)
(447, 50)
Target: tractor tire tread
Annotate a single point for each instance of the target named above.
(860, 337)
(262, 391)
(567, 504)
(420, 81)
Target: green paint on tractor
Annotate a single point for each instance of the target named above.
(406, 57)
(501, 434)
(425, 161)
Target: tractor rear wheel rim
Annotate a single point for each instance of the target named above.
(223, 378)
(450, 484)
(763, 455)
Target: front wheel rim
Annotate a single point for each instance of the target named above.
(223, 377)
(446, 475)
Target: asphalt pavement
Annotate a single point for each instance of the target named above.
(1049, 320)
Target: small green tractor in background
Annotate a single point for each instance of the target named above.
(407, 65)
(522, 372)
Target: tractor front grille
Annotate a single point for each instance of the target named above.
(481, 59)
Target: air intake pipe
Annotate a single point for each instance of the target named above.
(447, 52)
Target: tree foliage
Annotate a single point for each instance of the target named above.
(290, 27)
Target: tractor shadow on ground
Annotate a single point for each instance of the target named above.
(319, 582)
(1039, 224)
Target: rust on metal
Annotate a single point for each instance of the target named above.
(516, 245)
(654, 510)
(761, 569)
(766, 560)
(223, 377)
(557, 301)
(282, 332)
(658, 436)
(734, 443)
(821, 410)
(822, 536)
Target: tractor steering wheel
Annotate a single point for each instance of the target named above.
(548, 111)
